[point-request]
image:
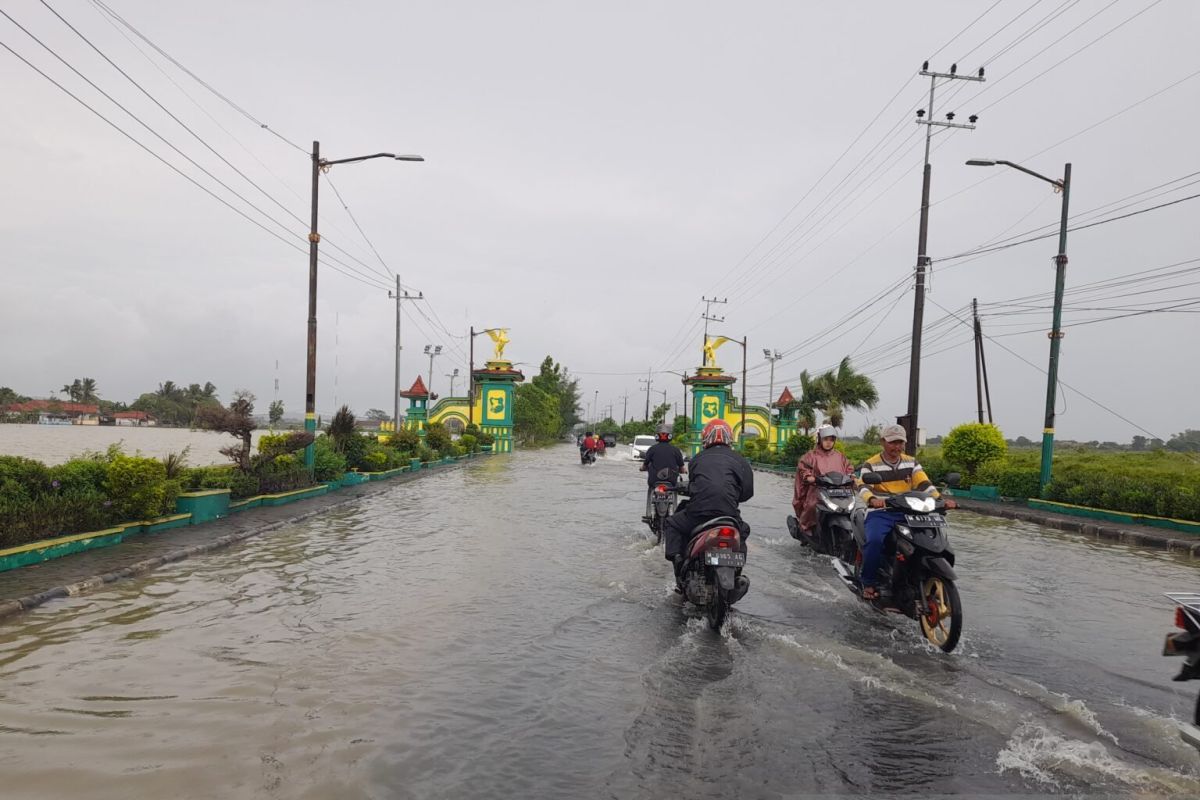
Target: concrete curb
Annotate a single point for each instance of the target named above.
(1137, 535)
(1141, 536)
(18, 605)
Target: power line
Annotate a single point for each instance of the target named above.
(197, 78)
(171, 166)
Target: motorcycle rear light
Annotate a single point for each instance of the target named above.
(724, 544)
(726, 533)
(1180, 618)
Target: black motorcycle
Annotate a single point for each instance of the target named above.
(710, 576)
(587, 456)
(835, 503)
(916, 571)
(1186, 643)
(663, 497)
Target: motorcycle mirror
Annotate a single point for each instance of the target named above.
(953, 479)
(872, 478)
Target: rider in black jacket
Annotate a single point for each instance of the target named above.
(662, 463)
(720, 479)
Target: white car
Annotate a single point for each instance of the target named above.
(641, 444)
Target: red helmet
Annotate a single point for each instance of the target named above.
(716, 432)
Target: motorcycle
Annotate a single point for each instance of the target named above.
(662, 503)
(587, 456)
(1186, 643)
(835, 504)
(710, 576)
(917, 565)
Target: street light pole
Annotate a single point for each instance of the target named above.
(432, 351)
(1060, 278)
(452, 376)
(771, 356)
(400, 296)
(320, 165)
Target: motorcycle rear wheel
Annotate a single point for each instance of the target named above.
(716, 610)
(943, 626)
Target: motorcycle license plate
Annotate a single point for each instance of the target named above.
(839, 493)
(923, 521)
(725, 558)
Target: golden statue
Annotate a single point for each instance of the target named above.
(710, 349)
(500, 337)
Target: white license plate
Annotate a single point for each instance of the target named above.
(725, 558)
(922, 521)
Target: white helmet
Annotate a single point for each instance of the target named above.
(825, 431)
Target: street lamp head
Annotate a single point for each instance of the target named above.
(437, 351)
(408, 158)
(428, 348)
(980, 162)
(766, 352)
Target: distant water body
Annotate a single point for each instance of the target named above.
(54, 444)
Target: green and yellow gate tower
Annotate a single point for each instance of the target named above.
(712, 398)
(489, 404)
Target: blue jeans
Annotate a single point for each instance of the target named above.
(878, 525)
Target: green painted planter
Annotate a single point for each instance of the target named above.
(283, 498)
(205, 505)
(353, 479)
(1101, 515)
(984, 493)
(167, 523)
(414, 464)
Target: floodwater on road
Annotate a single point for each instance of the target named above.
(54, 444)
(508, 630)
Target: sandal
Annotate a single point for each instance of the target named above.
(870, 593)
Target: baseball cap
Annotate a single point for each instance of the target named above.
(894, 433)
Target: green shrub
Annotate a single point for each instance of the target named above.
(469, 443)
(139, 489)
(973, 444)
(407, 440)
(274, 444)
(796, 446)
(437, 438)
(328, 463)
(485, 438)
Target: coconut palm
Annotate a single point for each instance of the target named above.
(842, 389)
(87, 390)
(812, 397)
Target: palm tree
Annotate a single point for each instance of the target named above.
(169, 391)
(812, 397)
(87, 391)
(845, 389)
(74, 390)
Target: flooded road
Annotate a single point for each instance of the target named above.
(507, 630)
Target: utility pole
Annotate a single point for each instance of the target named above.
(310, 379)
(649, 382)
(981, 387)
(909, 420)
(624, 409)
(744, 339)
(595, 406)
(978, 367)
(772, 356)
(709, 302)
(399, 296)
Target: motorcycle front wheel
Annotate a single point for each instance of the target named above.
(942, 625)
(717, 609)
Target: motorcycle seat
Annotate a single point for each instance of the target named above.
(717, 522)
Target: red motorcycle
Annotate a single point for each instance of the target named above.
(710, 576)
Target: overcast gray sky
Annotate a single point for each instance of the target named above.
(592, 170)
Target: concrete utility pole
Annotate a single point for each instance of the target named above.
(320, 165)
(399, 296)
(909, 420)
(981, 389)
(709, 302)
(624, 409)
(1060, 278)
(649, 383)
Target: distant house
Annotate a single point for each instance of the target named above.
(54, 412)
(134, 419)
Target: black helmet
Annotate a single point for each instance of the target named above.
(589, 433)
